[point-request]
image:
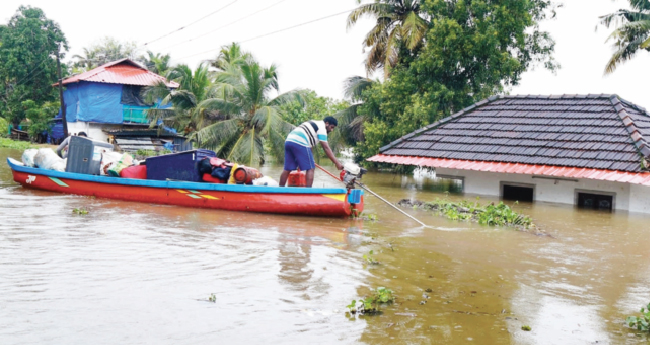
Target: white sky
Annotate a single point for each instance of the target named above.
(321, 55)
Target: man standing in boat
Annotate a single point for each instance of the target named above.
(297, 148)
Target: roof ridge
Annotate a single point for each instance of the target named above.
(638, 140)
(441, 121)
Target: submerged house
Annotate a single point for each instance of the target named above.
(106, 103)
(591, 151)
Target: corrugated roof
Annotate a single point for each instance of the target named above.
(122, 71)
(583, 131)
(642, 178)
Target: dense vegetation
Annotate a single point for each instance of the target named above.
(29, 42)
(435, 58)
(456, 53)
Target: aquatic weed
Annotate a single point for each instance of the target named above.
(81, 211)
(370, 259)
(642, 323)
(212, 298)
(370, 305)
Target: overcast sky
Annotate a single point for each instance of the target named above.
(322, 54)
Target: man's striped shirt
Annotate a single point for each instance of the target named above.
(309, 133)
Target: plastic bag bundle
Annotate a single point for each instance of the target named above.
(108, 160)
(60, 166)
(125, 162)
(28, 157)
(266, 181)
(46, 159)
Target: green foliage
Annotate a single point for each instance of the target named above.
(631, 34)
(151, 153)
(370, 259)
(473, 49)
(399, 26)
(526, 328)
(17, 145)
(28, 46)
(157, 63)
(80, 211)
(370, 304)
(212, 298)
(492, 215)
(106, 50)
(642, 323)
(314, 108)
(40, 117)
(249, 123)
(4, 128)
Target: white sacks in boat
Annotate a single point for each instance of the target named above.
(266, 181)
(46, 159)
(28, 157)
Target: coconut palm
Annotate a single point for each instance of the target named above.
(398, 23)
(250, 118)
(156, 63)
(194, 87)
(230, 56)
(350, 128)
(632, 33)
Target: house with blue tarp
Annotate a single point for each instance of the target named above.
(108, 100)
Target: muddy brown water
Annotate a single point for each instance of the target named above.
(142, 274)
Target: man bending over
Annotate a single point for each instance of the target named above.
(297, 148)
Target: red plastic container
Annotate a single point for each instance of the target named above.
(136, 171)
(297, 179)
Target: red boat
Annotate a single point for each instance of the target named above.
(327, 202)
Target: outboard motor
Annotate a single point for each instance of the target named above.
(350, 173)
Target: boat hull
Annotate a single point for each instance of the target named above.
(328, 202)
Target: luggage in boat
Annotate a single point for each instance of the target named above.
(28, 157)
(245, 175)
(45, 158)
(124, 162)
(136, 171)
(210, 178)
(297, 179)
(85, 155)
(221, 173)
(182, 166)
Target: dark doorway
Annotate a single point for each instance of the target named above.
(595, 201)
(518, 193)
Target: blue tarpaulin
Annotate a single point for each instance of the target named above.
(93, 102)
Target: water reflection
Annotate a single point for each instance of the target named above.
(141, 273)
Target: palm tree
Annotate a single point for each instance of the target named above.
(195, 86)
(632, 33)
(249, 119)
(350, 128)
(156, 63)
(229, 56)
(398, 24)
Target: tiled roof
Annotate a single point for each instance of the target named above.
(122, 71)
(592, 131)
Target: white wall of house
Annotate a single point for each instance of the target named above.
(635, 198)
(94, 130)
(639, 198)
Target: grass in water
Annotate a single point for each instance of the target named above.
(491, 214)
(14, 144)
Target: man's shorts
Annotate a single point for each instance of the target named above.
(296, 155)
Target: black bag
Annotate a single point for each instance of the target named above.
(222, 173)
(204, 166)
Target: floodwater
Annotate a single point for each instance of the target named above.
(136, 273)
